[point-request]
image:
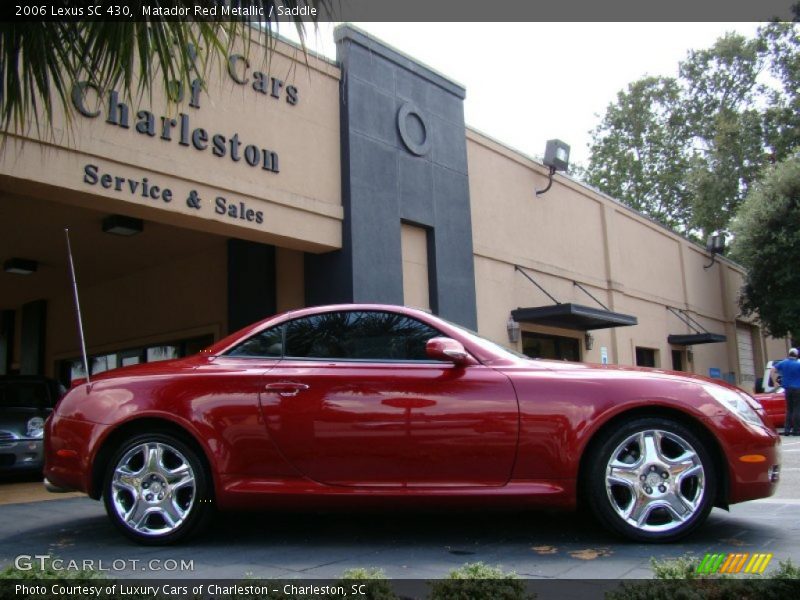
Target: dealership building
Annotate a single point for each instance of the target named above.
(302, 181)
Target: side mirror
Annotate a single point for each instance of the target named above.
(447, 349)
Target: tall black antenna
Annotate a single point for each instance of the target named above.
(77, 307)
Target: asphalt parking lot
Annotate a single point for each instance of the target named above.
(407, 545)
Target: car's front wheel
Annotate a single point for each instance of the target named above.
(651, 480)
(157, 489)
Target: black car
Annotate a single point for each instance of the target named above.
(25, 403)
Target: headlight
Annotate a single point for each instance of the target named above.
(36, 427)
(735, 402)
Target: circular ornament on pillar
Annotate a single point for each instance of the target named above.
(413, 130)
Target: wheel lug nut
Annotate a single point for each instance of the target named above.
(664, 475)
(145, 485)
(642, 477)
(148, 497)
(648, 489)
(652, 467)
(662, 488)
(161, 496)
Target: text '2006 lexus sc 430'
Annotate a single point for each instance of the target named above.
(369, 404)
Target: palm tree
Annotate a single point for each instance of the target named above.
(39, 61)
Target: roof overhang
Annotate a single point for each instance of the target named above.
(690, 339)
(572, 316)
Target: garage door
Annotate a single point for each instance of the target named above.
(747, 367)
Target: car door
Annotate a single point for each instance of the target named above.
(224, 390)
(356, 402)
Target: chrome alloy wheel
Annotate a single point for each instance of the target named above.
(655, 481)
(153, 488)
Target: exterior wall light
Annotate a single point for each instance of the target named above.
(589, 341)
(20, 266)
(513, 330)
(122, 225)
(556, 158)
(714, 245)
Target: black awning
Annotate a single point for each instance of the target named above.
(572, 316)
(690, 339)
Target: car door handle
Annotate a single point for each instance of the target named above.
(286, 388)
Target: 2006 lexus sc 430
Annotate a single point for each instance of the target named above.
(385, 405)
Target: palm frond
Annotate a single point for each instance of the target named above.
(40, 62)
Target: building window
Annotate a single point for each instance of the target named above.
(71, 369)
(678, 362)
(540, 345)
(646, 357)
(414, 247)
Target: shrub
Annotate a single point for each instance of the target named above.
(476, 581)
(377, 585)
(678, 579)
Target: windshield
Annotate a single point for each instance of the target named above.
(23, 395)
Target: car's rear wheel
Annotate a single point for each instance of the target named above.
(157, 489)
(651, 480)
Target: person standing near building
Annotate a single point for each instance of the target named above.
(789, 370)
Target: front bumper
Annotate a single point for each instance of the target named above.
(754, 458)
(55, 489)
(21, 455)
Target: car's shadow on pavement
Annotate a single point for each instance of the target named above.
(458, 530)
(413, 527)
(86, 521)
(300, 542)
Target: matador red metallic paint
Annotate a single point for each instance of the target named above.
(495, 429)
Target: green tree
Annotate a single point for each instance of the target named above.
(39, 61)
(721, 90)
(637, 154)
(767, 243)
(685, 151)
(782, 116)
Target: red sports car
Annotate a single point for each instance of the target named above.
(774, 405)
(377, 404)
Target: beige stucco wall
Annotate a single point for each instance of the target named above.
(300, 205)
(629, 263)
(290, 279)
(775, 349)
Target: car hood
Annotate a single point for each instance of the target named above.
(162, 367)
(609, 372)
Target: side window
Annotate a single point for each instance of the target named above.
(320, 336)
(359, 335)
(267, 344)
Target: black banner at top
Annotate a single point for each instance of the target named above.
(404, 10)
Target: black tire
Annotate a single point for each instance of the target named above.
(157, 490)
(637, 488)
